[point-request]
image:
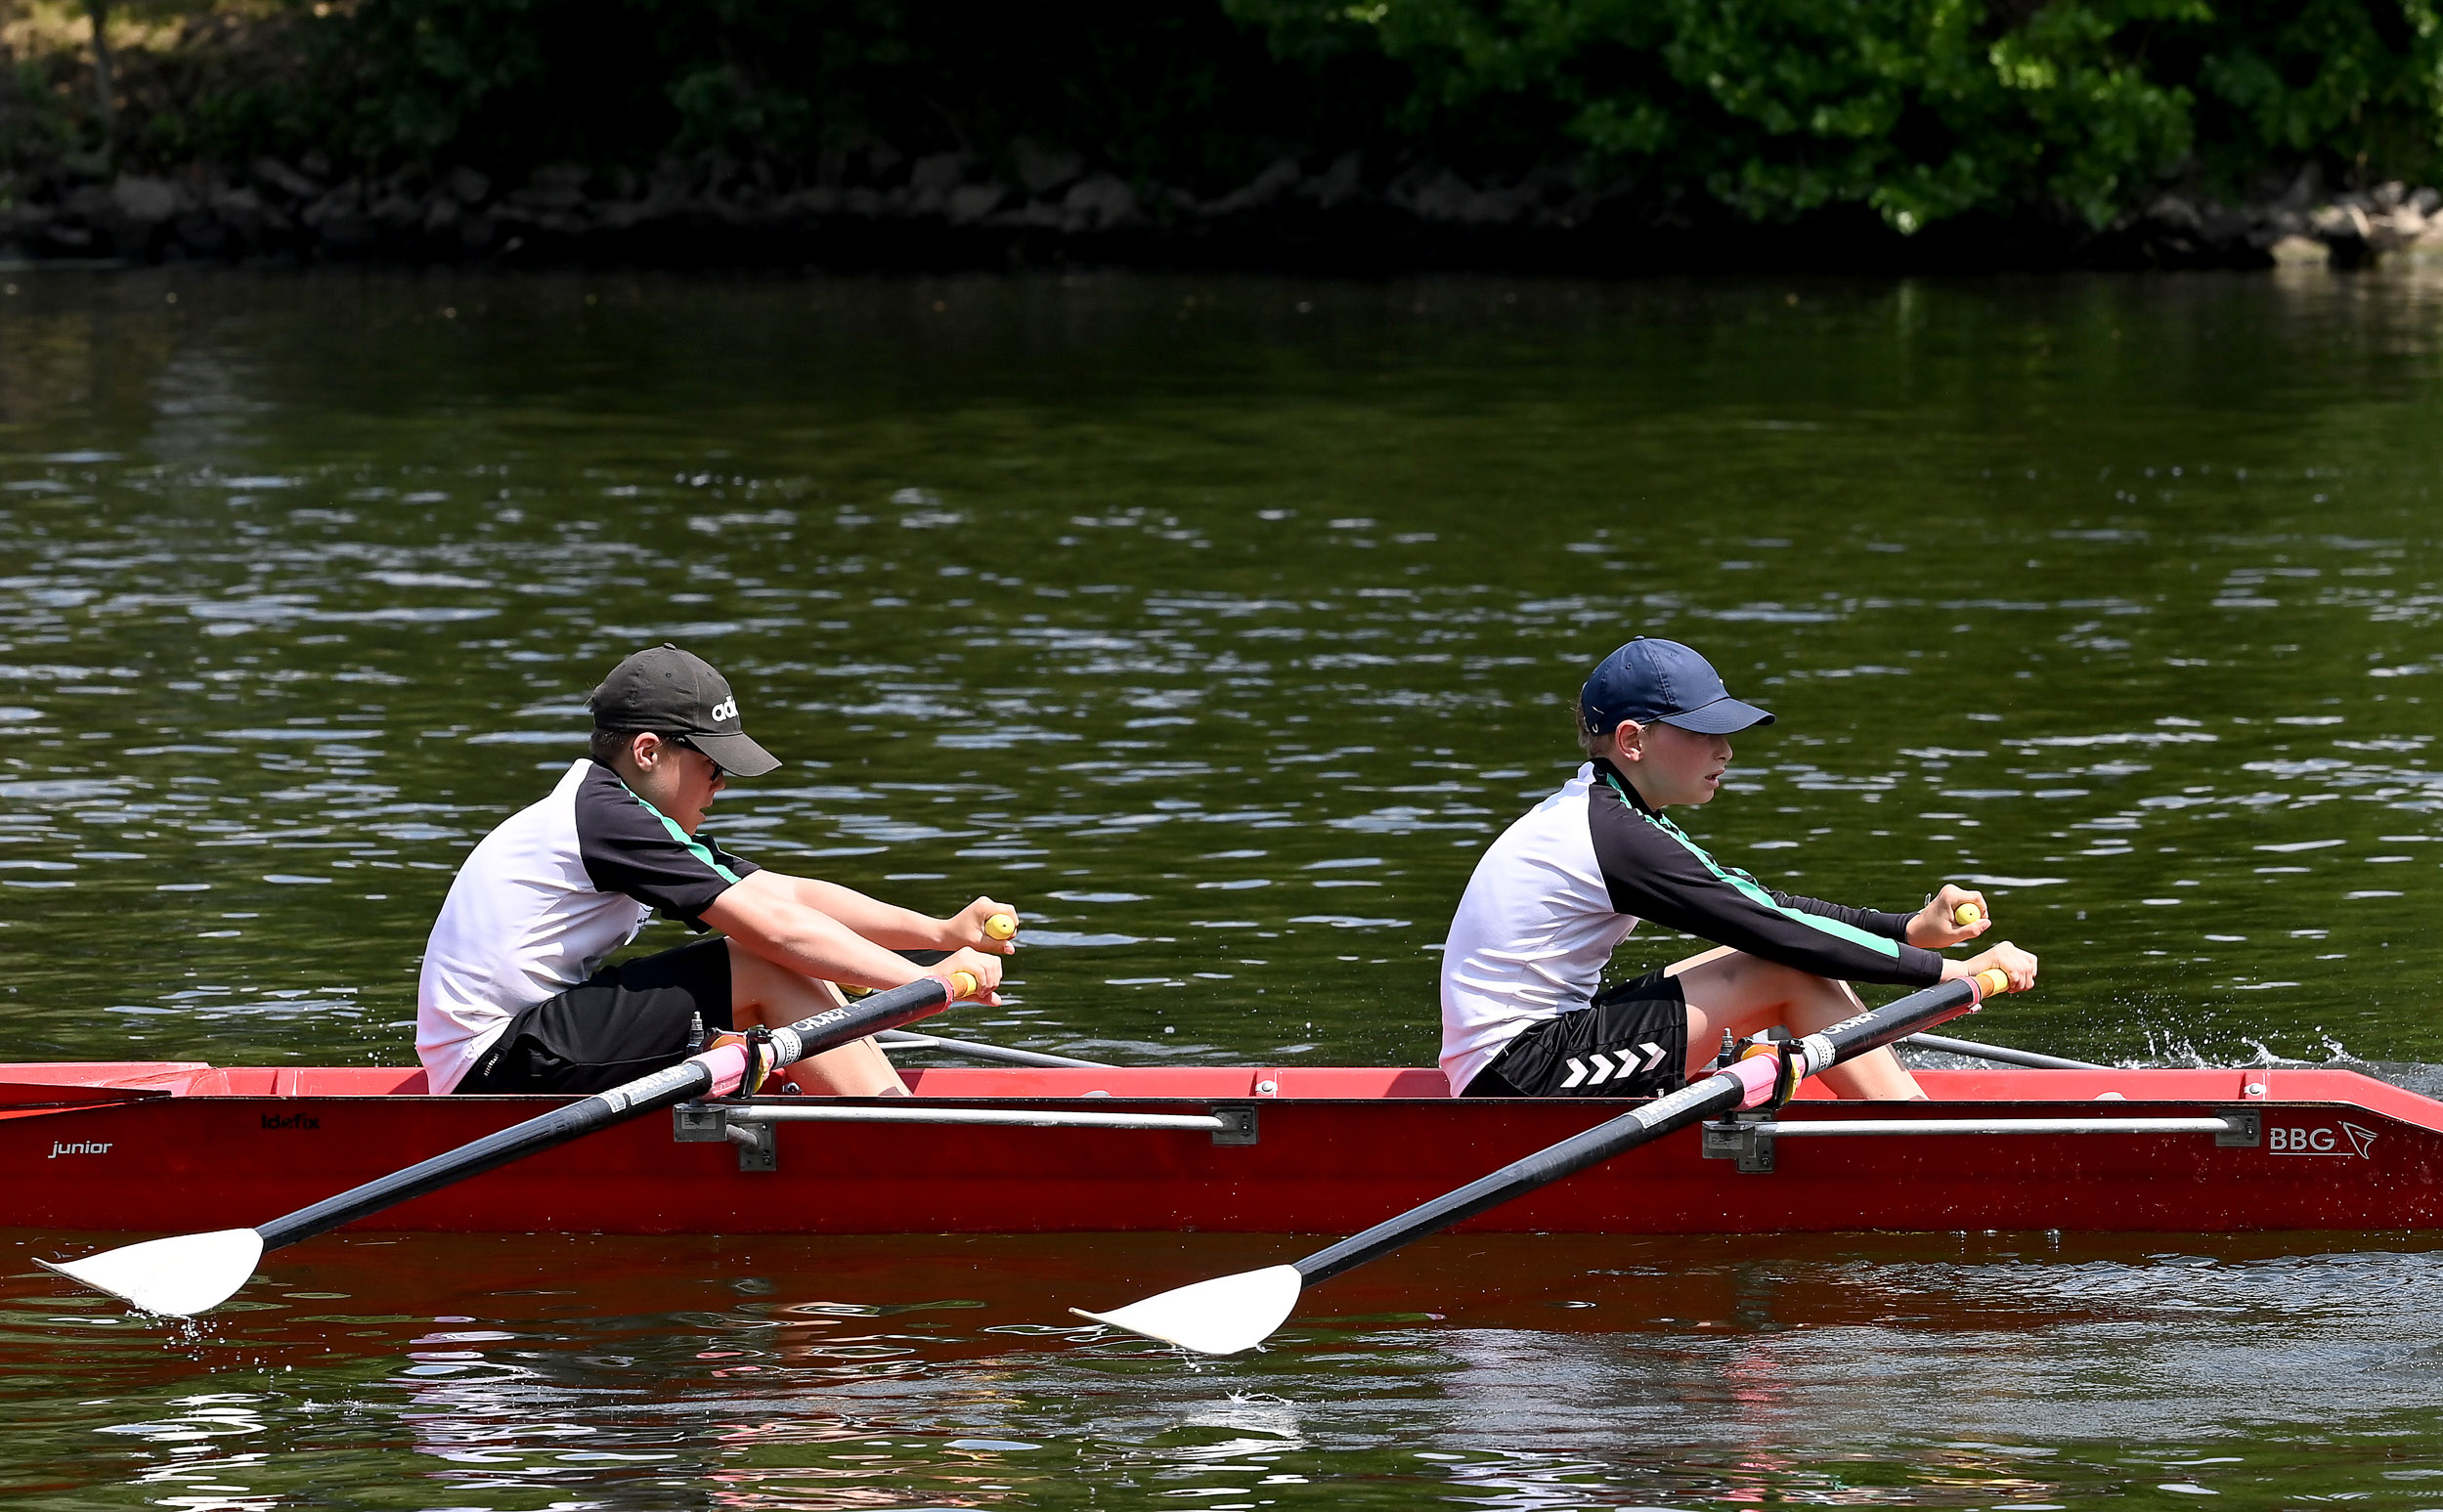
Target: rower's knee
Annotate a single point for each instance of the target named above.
(1820, 1002)
(1759, 981)
(760, 992)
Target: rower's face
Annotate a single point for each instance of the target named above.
(678, 780)
(1681, 766)
(700, 781)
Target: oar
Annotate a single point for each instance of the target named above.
(197, 1271)
(978, 1050)
(2001, 1055)
(1234, 1313)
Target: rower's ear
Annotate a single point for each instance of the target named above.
(1627, 741)
(644, 752)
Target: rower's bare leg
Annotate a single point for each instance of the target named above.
(1730, 989)
(774, 997)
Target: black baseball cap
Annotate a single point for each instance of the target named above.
(1663, 682)
(670, 692)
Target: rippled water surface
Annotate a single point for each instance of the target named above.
(1218, 625)
(1991, 1371)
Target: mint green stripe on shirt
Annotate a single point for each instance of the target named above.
(1749, 889)
(700, 853)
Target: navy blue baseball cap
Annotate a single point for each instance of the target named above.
(1663, 682)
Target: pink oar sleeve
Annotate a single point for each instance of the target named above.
(1755, 1073)
(728, 1065)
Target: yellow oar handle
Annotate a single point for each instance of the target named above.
(964, 984)
(1966, 914)
(1001, 926)
(1992, 982)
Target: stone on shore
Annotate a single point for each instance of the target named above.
(871, 204)
(1045, 170)
(1102, 203)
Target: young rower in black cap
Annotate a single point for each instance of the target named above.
(1521, 1013)
(515, 996)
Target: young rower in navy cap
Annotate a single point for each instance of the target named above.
(515, 995)
(1521, 1013)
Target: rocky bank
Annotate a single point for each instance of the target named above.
(1041, 205)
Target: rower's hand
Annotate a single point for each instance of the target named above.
(975, 963)
(2008, 959)
(1936, 926)
(971, 928)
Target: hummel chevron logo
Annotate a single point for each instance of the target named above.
(1604, 1069)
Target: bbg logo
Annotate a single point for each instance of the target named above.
(2324, 1139)
(727, 709)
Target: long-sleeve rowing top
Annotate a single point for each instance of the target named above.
(1564, 886)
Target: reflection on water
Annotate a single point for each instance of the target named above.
(1567, 1372)
(1219, 622)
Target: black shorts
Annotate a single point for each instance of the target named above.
(1631, 1042)
(629, 1018)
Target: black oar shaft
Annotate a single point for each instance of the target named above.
(1900, 1018)
(1720, 1092)
(677, 1084)
(690, 1078)
(1689, 1105)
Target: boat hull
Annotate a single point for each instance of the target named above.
(156, 1148)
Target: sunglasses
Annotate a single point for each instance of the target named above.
(719, 771)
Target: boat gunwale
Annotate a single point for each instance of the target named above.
(119, 1086)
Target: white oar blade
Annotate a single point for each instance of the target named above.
(193, 1273)
(1220, 1316)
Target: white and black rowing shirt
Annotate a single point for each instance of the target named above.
(1564, 886)
(542, 901)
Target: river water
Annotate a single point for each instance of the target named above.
(1218, 624)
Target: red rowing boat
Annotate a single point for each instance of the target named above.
(167, 1146)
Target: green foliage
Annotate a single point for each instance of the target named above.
(32, 121)
(1176, 91)
(1923, 110)
(2356, 80)
(1916, 111)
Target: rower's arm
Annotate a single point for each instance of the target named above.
(765, 914)
(902, 928)
(1874, 920)
(1653, 871)
(884, 924)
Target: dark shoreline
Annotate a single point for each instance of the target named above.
(943, 214)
